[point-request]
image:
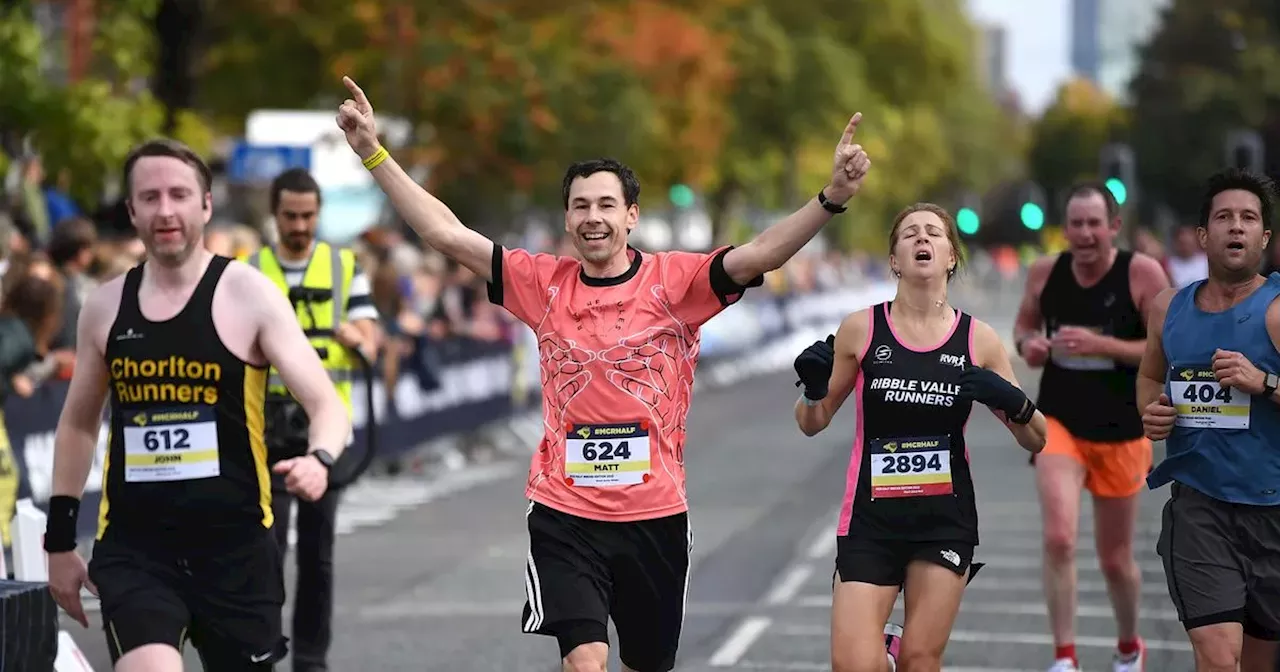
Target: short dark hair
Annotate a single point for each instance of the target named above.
(32, 299)
(1237, 178)
(1094, 187)
(70, 237)
(630, 184)
(172, 149)
(297, 180)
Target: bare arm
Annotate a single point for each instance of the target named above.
(1029, 322)
(1154, 367)
(79, 424)
(850, 338)
(775, 245)
(1273, 330)
(424, 213)
(778, 243)
(282, 342)
(433, 221)
(1147, 279)
(989, 350)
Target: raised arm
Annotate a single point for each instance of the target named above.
(990, 353)
(778, 243)
(425, 214)
(851, 339)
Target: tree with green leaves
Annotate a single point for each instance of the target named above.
(83, 129)
(736, 99)
(1208, 69)
(1067, 138)
(930, 128)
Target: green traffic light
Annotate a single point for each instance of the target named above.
(681, 195)
(967, 221)
(1032, 216)
(1118, 190)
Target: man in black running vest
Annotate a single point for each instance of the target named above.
(181, 344)
(1083, 318)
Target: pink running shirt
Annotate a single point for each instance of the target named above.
(617, 359)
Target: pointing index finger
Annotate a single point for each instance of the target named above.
(356, 92)
(849, 130)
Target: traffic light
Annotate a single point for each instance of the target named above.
(1031, 213)
(1117, 189)
(681, 195)
(1244, 150)
(1032, 216)
(1118, 171)
(967, 221)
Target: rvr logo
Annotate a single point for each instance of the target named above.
(952, 360)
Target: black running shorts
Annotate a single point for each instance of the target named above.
(884, 563)
(1222, 562)
(581, 572)
(228, 604)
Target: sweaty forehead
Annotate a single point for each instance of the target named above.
(596, 186)
(1237, 199)
(159, 173)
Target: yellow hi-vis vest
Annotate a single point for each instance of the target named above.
(329, 268)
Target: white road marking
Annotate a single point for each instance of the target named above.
(824, 546)
(789, 585)
(736, 645)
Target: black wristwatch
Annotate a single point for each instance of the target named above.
(829, 205)
(1269, 384)
(323, 457)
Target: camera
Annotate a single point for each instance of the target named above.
(287, 427)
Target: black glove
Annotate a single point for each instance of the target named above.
(988, 387)
(814, 367)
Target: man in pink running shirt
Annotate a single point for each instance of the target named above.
(618, 336)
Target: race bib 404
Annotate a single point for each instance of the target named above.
(171, 444)
(606, 455)
(1203, 403)
(911, 467)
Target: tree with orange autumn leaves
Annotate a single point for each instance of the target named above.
(740, 99)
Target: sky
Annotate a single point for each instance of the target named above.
(1038, 49)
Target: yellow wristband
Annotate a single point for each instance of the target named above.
(377, 158)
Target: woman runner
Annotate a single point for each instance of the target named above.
(915, 366)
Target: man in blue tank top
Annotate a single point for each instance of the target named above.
(1208, 386)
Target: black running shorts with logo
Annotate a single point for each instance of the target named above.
(884, 562)
(1222, 562)
(228, 604)
(581, 572)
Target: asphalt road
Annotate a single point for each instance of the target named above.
(439, 586)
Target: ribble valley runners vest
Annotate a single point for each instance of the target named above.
(909, 476)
